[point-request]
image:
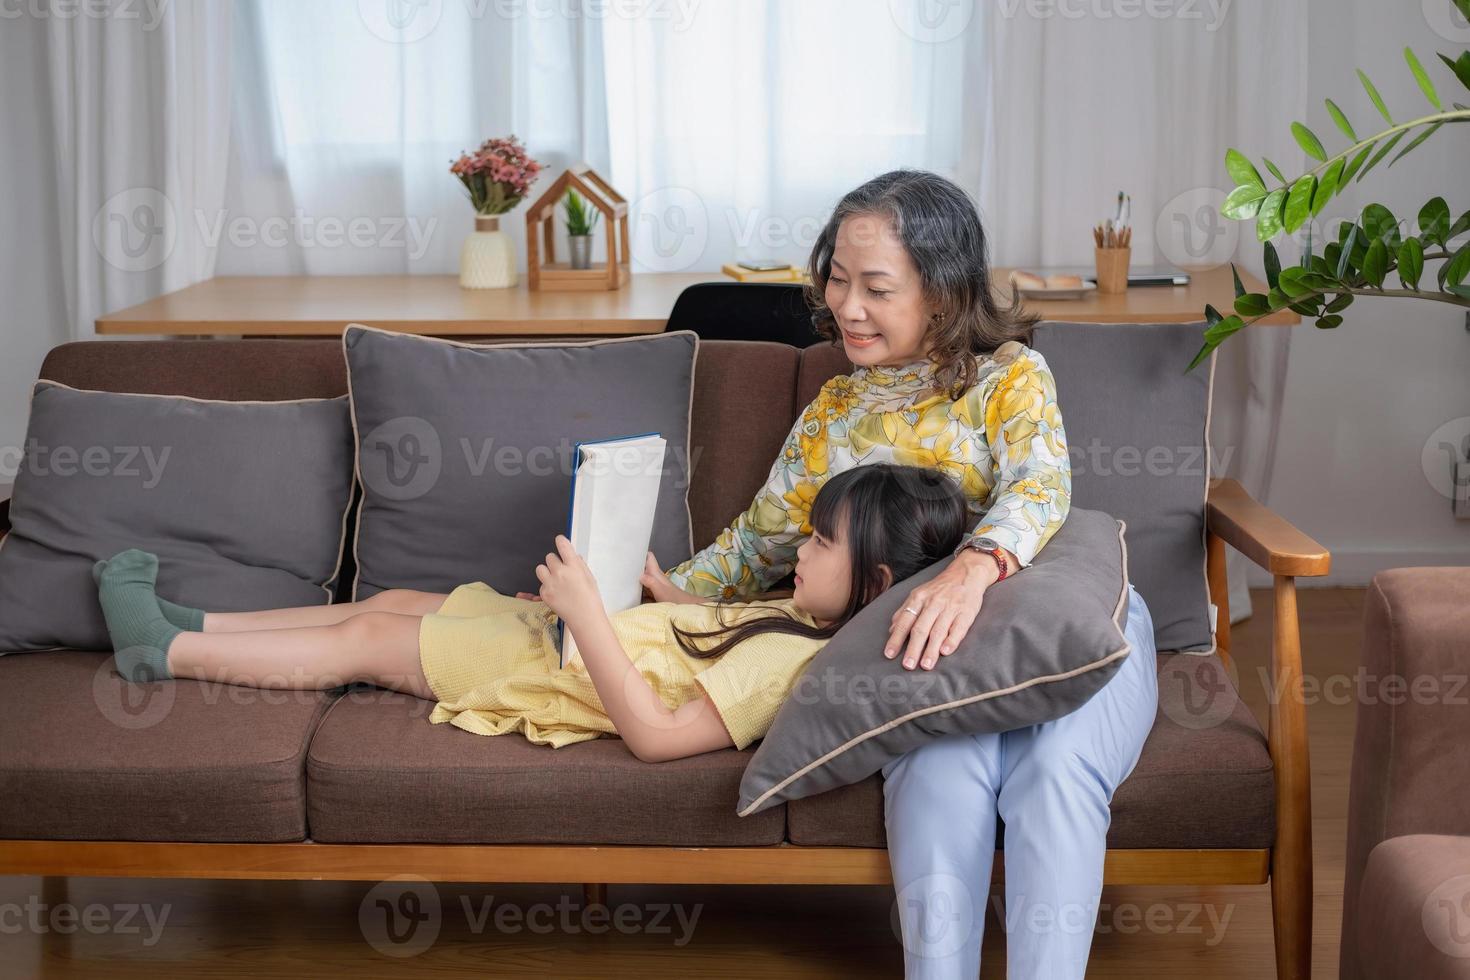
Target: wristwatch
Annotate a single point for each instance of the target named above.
(989, 546)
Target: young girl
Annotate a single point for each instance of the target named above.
(673, 679)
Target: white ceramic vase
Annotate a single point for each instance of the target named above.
(487, 260)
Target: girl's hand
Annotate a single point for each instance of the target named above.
(946, 605)
(529, 596)
(660, 587)
(567, 584)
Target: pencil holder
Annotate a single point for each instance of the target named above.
(1112, 269)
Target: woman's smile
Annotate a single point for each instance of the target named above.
(858, 339)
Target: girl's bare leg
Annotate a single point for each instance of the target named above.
(406, 602)
(380, 648)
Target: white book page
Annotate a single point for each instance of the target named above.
(613, 502)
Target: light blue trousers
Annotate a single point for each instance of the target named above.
(1052, 785)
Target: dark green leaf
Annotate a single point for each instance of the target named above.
(1434, 221)
(1461, 225)
(1241, 170)
(1291, 282)
(1460, 66)
(1382, 150)
(1298, 203)
(1422, 77)
(1461, 291)
(1212, 315)
(1252, 304)
(1411, 262)
(1428, 132)
(1455, 269)
(1329, 321)
(1268, 219)
(1239, 286)
(1375, 263)
(1321, 266)
(1306, 308)
(1357, 162)
(1373, 94)
(1320, 282)
(1347, 252)
(1330, 255)
(1379, 222)
(1275, 170)
(1340, 303)
(1327, 186)
(1308, 141)
(1342, 121)
(1278, 298)
(1204, 353)
(1272, 262)
(1242, 203)
(1224, 328)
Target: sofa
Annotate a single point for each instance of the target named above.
(178, 780)
(1406, 890)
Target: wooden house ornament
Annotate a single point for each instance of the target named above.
(551, 274)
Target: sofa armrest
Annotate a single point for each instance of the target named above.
(1233, 518)
(1261, 534)
(1410, 771)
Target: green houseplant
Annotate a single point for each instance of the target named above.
(1365, 251)
(581, 220)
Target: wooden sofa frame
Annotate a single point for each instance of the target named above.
(1232, 518)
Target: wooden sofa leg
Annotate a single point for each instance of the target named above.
(1291, 857)
(594, 893)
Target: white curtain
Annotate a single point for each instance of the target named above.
(140, 116)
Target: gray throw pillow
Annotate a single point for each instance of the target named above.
(1138, 440)
(245, 504)
(1045, 641)
(465, 451)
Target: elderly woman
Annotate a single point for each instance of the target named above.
(945, 379)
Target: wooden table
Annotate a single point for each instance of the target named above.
(319, 306)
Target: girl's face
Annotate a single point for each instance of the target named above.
(875, 294)
(824, 577)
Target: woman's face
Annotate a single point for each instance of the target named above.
(875, 294)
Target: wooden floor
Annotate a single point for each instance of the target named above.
(153, 929)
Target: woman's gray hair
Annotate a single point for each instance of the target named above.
(939, 227)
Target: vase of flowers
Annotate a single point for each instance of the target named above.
(497, 176)
(581, 220)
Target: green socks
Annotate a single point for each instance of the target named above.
(181, 616)
(140, 633)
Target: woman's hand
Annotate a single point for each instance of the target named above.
(937, 615)
(660, 587)
(567, 584)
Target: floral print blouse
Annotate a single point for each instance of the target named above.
(1002, 441)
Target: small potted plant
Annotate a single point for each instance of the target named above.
(497, 176)
(581, 220)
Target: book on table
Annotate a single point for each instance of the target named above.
(615, 484)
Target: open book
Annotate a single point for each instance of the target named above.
(610, 521)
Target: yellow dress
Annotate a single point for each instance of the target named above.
(492, 663)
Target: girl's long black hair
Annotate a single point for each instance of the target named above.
(905, 517)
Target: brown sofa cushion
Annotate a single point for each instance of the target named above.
(1411, 909)
(742, 413)
(378, 772)
(86, 756)
(1206, 786)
